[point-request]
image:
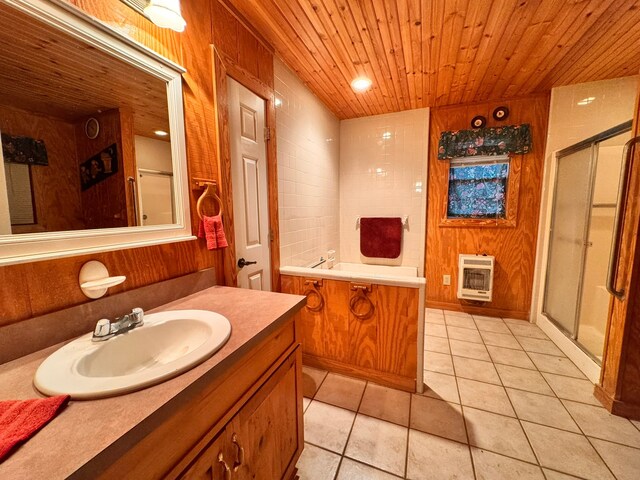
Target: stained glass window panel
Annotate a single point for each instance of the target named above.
(478, 190)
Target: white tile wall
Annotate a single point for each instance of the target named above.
(308, 139)
(383, 172)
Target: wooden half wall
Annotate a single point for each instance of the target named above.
(32, 289)
(514, 247)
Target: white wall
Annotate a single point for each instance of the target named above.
(153, 154)
(577, 112)
(308, 139)
(383, 172)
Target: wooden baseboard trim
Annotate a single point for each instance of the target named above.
(478, 310)
(381, 378)
(617, 407)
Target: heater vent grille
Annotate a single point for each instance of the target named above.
(475, 277)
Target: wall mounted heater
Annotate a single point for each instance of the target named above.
(475, 277)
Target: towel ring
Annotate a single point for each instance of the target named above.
(210, 190)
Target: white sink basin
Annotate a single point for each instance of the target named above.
(168, 344)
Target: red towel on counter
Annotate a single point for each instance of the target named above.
(212, 230)
(20, 419)
(381, 237)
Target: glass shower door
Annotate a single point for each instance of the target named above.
(569, 223)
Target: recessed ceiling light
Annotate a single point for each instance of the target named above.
(278, 102)
(386, 135)
(161, 133)
(361, 84)
(586, 101)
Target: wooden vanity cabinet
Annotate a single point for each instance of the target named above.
(248, 419)
(339, 334)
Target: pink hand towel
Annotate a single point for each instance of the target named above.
(21, 419)
(212, 229)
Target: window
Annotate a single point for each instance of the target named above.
(478, 188)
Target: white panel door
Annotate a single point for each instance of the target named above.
(5, 217)
(249, 177)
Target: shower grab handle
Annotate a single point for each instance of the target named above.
(313, 289)
(361, 295)
(612, 274)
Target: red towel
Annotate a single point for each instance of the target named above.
(212, 229)
(381, 237)
(20, 419)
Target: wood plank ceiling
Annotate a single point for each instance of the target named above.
(423, 53)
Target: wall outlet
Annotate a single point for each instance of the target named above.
(446, 279)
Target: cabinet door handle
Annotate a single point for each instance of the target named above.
(361, 296)
(226, 469)
(239, 453)
(313, 289)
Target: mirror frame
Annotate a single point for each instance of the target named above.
(22, 248)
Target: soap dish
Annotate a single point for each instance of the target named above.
(95, 280)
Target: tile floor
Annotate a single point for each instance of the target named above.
(502, 403)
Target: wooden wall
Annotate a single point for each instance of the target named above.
(513, 247)
(36, 288)
(53, 185)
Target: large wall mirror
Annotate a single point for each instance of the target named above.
(92, 132)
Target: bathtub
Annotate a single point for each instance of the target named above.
(333, 339)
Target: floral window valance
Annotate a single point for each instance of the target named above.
(510, 139)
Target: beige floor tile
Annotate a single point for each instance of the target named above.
(567, 452)
(341, 391)
(462, 322)
(435, 329)
(305, 403)
(624, 462)
(439, 385)
(378, 443)
(436, 344)
(491, 466)
(498, 434)
(437, 417)
(352, 470)
(553, 475)
(490, 319)
(311, 380)
(597, 422)
(454, 313)
(485, 397)
(469, 350)
(537, 345)
(434, 319)
(434, 311)
(492, 326)
(523, 379)
(500, 340)
(636, 423)
(435, 458)
(509, 356)
(514, 321)
(553, 364)
(327, 426)
(572, 388)
(541, 409)
(466, 334)
(317, 464)
(438, 362)
(476, 370)
(386, 404)
(526, 329)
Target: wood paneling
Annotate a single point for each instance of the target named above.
(513, 246)
(423, 53)
(381, 347)
(240, 53)
(619, 388)
(40, 75)
(53, 185)
(37, 288)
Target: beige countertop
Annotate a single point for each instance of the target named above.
(84, 429)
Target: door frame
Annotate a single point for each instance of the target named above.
(224, 66)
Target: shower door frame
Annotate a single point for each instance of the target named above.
(592, 143)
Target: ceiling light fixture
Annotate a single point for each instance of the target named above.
(166, 14)
(161, 133)
(586, 101)
(361, 84)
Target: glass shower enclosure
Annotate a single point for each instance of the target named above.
(582, 222)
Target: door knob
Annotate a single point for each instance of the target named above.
(243, 263)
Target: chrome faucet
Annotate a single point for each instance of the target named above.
(106, 329)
